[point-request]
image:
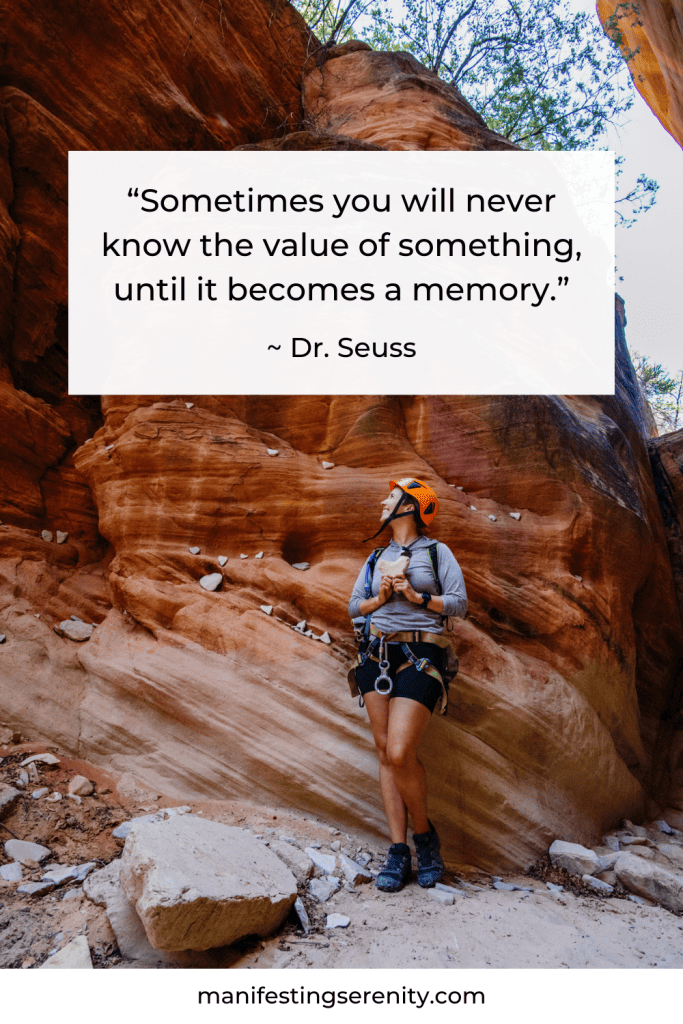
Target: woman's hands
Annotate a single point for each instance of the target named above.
(401, 586)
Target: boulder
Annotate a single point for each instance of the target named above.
(78, 631)
(198, 884)
(574, 858)
(652, 881)
(80, 786)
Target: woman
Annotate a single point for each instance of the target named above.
(403, 611)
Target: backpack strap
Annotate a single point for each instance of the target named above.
(369, 573)
(433, 558)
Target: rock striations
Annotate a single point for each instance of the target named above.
(206, 568)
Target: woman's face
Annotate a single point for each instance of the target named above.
(389, 503)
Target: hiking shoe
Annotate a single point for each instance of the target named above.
(430, 867)
(396, 870)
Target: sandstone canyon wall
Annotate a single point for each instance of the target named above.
(561, 720)
(653, 31)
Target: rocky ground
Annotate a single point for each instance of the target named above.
(485, 926)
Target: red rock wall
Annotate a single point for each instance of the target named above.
(654, 30)
(570, 652)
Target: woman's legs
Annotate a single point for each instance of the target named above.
(397, 727)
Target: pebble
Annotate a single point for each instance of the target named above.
(338, 921)
(322, 888)
(325, 638)
(302, 915)
(53, 798)
(78, 631)
(267, 608)
(579, 578)
(447, 899)
(364, 859)
(492, 518)
(315, 845)
(336, 846)
(37, 793)
(301, 565)
(328, 465)
(474, 508)
(288, 839)
(259, 555)
(637, 899)
(36, 888)
(62, 537)
(663, 827)
(11, 872)
(355, 873)
(211, 582)
(504, 886)
(9, 798)
(611, 842)
(324, 861)
(273, 451)
(189, 405)
(23, 780)
(194, 551)
(3, 637)
(595, 883)
(108, 447)
(515, 515)
(554, 888)
(244, 556)
(301, 626)
(58, 874)
(222, 559)
(71, 894)
(47, 536)
(459, 488)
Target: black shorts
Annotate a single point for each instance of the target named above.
(410, 683)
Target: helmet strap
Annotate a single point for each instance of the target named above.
(394, 515)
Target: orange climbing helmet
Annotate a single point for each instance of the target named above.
(422, 494)
(425, 506)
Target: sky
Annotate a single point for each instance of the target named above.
(649, 254)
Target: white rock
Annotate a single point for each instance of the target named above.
(75, 954)
(80, 786)
(671, 851)
(447, 899)
(322, 888)
(78, 631)
(211, 582)
(23, 851)
(3, 637)
(301, 626)
(37, 793)
(244, 556)
(492, 518)
(325, 638)
(222, 559)
(301, 565)
(474, 509)
(267, 609)
(75, 618)
(336, 846)
(273, 451)
(121, 831)
(108, 447)
(328, 465)
(53, 798)
(259, 555)
(9, 798)
(194, 551)
(189, 405)
(47, 536)
(574, 858)
(649, 880)
(58, 874)
(197, 884)
(579, 578)
(62, 537)
(11, 872)
(298, 862)
(459, 488)
(325, 862)
(337, 921)
(515, 515)
(302, 915)
(23, 780)
(76, 799)
(611, 842)
(36, 888)
(355, 874)
(663, 827)
(596, 884)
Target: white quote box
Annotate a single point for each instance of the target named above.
(349, 273)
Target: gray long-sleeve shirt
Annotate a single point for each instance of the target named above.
(401, 614)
